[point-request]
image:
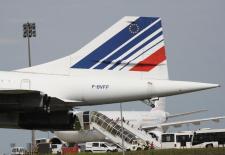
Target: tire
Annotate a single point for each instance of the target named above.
(138, 149)
(209, 146)
(108, 151)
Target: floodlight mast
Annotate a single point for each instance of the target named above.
(29, 30)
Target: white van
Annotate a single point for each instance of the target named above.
(18, 151)
(99, 147)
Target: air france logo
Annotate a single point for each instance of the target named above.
(134, 28)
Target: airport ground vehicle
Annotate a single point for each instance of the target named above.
(99, 147)
(203, 138)
(208, 138)
(46, 145)
(18, 151)
(176, 140)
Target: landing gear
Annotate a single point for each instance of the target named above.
(151, 102)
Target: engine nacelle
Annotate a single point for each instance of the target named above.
(59, 120)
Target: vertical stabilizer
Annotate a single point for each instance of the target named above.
(133, 44)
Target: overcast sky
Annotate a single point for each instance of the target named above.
(194, 34)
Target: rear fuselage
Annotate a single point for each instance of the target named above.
(96, 87)
(88, 89)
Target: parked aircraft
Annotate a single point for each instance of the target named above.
(125, 63)
(154, 122)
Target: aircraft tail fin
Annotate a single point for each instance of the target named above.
(133, 44)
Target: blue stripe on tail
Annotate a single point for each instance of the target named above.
(131, 44)
(136, 50)
(110, 45)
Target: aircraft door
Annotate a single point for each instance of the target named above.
(25, 84)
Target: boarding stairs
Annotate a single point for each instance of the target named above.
(142, 134)
(113, 131)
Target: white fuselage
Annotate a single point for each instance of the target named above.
(97, 87)
(77, 87)
(94, 89)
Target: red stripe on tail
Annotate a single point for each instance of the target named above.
(152, 61)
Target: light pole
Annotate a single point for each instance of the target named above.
(121, 119)
(29, 30)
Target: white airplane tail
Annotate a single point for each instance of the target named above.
(133, 44)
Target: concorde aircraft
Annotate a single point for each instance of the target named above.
(125, 63)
